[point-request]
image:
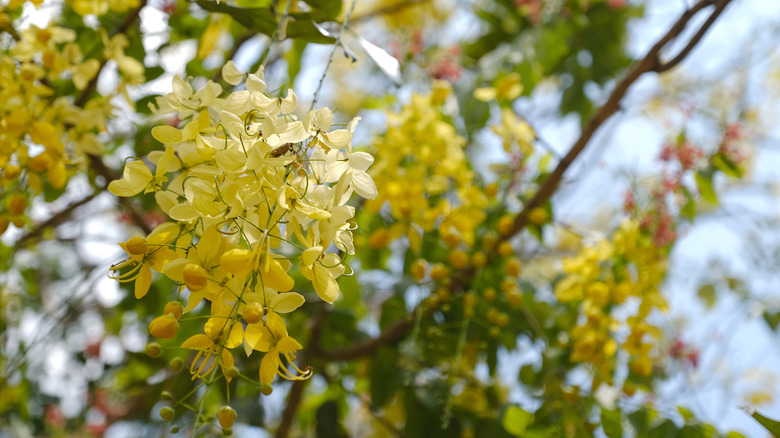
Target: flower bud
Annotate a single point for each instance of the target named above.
(166, 413)
(175, 308)
(253, 312)
(153, 349)
(266, 388)
(195, 277)
(164, 326)
(226, 416)
(176, 364)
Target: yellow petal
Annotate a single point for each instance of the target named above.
(288, 345)
(237, 261)
(236, 336)
(258, 337)
(231, 75)
(135, 177)
(325, 284)
(166, 134)
(287, 302)
(275, 277)
(143, 281)
(268, 367)
(198, 342)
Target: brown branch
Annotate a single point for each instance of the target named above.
(55, 220)
(694, 40)
(293, 401)
(650, 63)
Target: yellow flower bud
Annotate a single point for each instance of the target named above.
(417, 270)
(253, 312)
(136, 245)
(4, 223)
(439, 271)
(513, 267)
(17, 204)
(537, 216)
(505, 225)
(166, 413)
(195, 277)
(479, 260)
(39, 163)
(175, 308)
(226, 416)
(153, 349)
(459, 259)
(164, 326)
(505, 249)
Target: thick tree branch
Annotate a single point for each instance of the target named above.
(650, 63)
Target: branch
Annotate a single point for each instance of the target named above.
(650, 63)
(57, 219)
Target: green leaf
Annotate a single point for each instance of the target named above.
(325, 9)
(686, 414)
(393, 309)
(294, 57)
(263, 20)
(612, 422)
(707, 294)
(516, 420)
(772, 319)
(704, 184)
(773, 426)
(667, 429)
(385, 378)
(722, 163)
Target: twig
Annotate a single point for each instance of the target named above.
(332, 53)
(277, 33)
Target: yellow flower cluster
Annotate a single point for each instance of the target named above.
(601, 279)
(43, 136)
(423, 164)
(251, 188)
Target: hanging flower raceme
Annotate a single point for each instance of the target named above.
(249, 187)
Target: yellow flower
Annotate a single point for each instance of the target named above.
(145, 255)
(272, 338)
(221, 334)
(137, 178)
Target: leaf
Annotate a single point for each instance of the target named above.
(294, 57)
(773, 426)
(722, 163)
(385, 378)
(707, 294)
(516, 420)
(772, 319)
(611, 421)
(386, 62)
(704, 184)
(667, 429)
(262, 20)
(325, 9)
(686, 414)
